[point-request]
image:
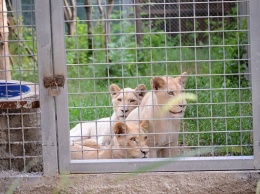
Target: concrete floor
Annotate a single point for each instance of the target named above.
(244, 182)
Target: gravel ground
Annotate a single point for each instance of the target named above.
(243, 182)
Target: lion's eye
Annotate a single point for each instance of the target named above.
(171, 93)
(119, 99)
(133, 139)
(145, 138)
(132, 101)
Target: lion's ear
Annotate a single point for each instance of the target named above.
(114, 90)
(120, 128)
(158, 83)
(145, 125)
(140, 90)
(182, 79)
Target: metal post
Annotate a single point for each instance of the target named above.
(255, 67)
(59, 60)
(45, 66)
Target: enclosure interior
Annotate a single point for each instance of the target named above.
(128, 43)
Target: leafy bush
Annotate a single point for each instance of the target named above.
(231, 46)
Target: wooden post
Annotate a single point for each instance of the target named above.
(5, 72)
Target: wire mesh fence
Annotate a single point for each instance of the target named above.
(129, 43)
(20, 130)
(146, 79)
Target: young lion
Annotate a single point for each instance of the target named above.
(129, 141)
(164, 117)
(124, 101)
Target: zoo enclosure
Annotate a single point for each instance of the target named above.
(208, 39)
(165, 31)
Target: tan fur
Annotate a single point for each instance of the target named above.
(124, 102)
(129, 141)
(164, 121)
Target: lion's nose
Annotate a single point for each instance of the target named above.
(145, 152)
(124, 110)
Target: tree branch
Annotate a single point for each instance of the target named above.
(89, 22)
(107, 23)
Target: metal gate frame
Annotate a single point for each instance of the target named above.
(51, 61)
(55, 123)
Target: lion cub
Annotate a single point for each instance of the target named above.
(129, 141)
(164, 117)
(124, 102)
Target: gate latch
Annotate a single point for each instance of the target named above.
(53, 84)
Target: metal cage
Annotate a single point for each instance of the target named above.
(130, 42)
(104, 46)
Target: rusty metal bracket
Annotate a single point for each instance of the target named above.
(53, 84)
(60, 80)
(47, 81)
(57, 79)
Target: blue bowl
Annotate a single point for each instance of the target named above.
(12, 89)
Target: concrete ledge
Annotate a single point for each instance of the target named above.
(172, 182)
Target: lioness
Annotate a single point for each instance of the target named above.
(164, 118)
(124, 101)
(129, 141)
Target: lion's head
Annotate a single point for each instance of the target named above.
(130, 140)
(125, 100)
(168, 91)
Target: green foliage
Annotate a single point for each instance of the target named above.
(123, 53)
(221, 118)
(230, 45)
(222, 115)
(24, 67)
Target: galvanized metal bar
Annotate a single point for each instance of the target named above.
(162, 165)
(59, 60)
(45, 65)
(255, 67)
